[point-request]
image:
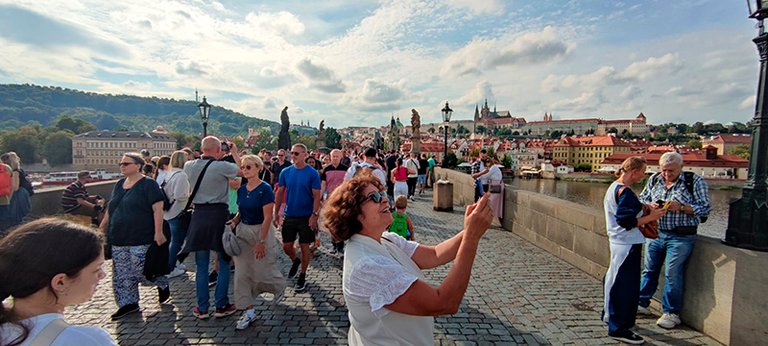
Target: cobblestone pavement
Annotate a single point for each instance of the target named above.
(519, 294)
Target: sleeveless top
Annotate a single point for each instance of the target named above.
(375, 275)
(401, 174)
(399, 224)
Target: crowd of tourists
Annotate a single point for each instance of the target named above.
(225, 207)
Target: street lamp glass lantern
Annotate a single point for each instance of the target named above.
(758, 9)
(205, 109)
(447, 111)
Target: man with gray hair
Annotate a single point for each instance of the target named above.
(685, 195)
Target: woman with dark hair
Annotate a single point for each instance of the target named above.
(388, 297)
(134, 220)
(400, 179)
(162, 169)
(44, 278)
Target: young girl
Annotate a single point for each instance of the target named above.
(402, 225)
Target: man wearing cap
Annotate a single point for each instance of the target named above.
(75, 199)
(369, 163)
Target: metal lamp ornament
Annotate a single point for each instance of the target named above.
(447, 111)
(748, 215)
(205, 111)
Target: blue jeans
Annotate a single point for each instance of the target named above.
(202, 259)
(177, 240)
(672, 251)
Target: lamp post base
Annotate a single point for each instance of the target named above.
(747, 220)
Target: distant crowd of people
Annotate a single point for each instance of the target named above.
(230, 204)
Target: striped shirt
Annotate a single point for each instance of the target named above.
(71, 194)
(656, 190)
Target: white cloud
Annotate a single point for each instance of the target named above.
(631, 92)
(529, 48)
(377, 92)
(281, 23)
(747, 103)
(479, 7)
(641, 70)
(477, 95)
(320, 77)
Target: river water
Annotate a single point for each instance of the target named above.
(592, 194)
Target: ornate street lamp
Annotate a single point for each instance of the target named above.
(205, 111)
(447, 111)
(748, 216)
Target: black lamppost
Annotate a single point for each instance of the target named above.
(205, 111)
(748, 216)
(447, 111)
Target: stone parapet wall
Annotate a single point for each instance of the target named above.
(725, 286)
(46, 202)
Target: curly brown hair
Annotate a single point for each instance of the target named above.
(344, 206)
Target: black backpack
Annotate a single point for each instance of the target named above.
(688, 182)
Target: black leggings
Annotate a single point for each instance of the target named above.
(411, 186)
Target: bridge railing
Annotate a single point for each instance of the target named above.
(47, 201)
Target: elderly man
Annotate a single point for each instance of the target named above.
(686, 197)
(330, 178)
(209, 179)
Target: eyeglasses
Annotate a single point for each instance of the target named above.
(246, 167)
(296, 153)
(123, 164)
(377, 197)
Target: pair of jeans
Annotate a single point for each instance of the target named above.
(202, 259)
(671, 250)
(177, 240)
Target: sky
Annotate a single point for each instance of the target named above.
(356, 63)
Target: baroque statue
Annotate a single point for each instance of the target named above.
(284, 138)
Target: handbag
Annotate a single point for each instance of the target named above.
(494, 188)
(229, 240)
(649, 230)
(185, 217)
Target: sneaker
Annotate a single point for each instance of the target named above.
(294, 268)
(201, 315)
(628, 337)
(301, 284)
(227, 310)
(176, 272)
(668, 321)
(163, 295)
(641, 310)
(212, 278)
(278, 297)
(246, 319)
(181, 266)
(124, 311)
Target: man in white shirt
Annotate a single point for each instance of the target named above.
(412, 165)
(369, 163)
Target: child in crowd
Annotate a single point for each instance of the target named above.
(401, 224)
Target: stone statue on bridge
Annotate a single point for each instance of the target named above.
(415, 132)
(284, 138)
(320, 140)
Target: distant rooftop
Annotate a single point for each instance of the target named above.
(126, 135)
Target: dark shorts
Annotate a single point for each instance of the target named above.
(297, 226)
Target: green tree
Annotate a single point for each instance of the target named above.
(506, 161)
(741, 150)
(694, 143)
(555, 134)
(582, 167)
(57, 148)
(76, 126)
(25, 142)
(480, 129)
(431, 130)
(333, 138)
(451, 161)
(612, 130)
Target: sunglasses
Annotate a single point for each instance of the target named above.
(123, 164)
(247, 167)
(295, 153)
(377, 197)
(281, 155)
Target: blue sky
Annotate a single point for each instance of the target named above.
(355, 63)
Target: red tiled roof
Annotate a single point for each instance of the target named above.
(608, 122)
(591, 141)
(732, 138)
(566, 121)
(690, 159)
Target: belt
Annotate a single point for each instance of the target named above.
(682, 230)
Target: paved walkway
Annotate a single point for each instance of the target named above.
(519, 294)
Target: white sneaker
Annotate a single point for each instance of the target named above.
(176, 272)
(181, 265)
(643, 311)
(246, 319)
(668, 321)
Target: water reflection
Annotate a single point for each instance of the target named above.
(591, 194)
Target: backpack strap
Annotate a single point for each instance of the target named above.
(688, 182)
(49, 333)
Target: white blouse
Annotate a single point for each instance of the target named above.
(375, 275)
(72, 335)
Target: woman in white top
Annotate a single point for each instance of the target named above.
(623, 215)
(43, 277)
(388, 298)
(175, 185)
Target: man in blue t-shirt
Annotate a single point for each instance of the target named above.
(299, 186)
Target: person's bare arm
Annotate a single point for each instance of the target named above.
(278, 202)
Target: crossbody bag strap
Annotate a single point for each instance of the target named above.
(197, 184)
(49, 333)
(162, 186)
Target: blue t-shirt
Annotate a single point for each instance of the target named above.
(299, 184)
(251, 204)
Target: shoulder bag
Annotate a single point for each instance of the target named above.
(185, 217)
(649, 230)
